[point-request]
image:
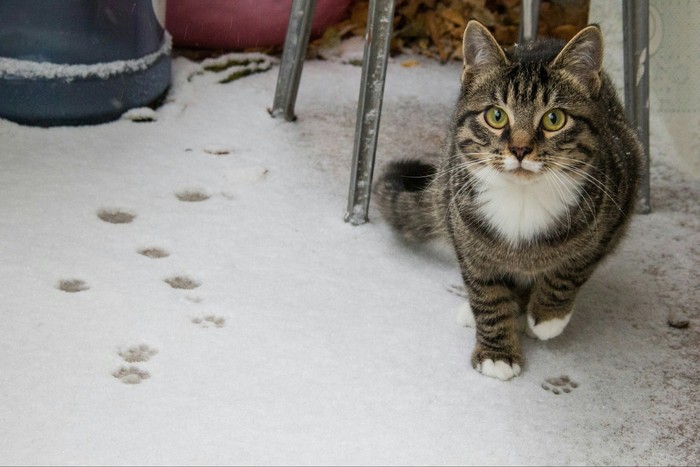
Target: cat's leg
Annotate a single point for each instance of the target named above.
(465, 315)
(552, 304)
(495, 309)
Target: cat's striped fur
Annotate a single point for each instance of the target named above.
(530, 207)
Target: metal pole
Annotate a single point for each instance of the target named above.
(529, 18)
(376, 54)
(635, 17)
(295, 45)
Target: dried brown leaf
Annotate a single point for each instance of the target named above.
(434, 28)
(454, 16)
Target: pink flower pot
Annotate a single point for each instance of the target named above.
(241, 24)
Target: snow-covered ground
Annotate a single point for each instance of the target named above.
(302, 339)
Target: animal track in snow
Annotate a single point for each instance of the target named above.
(218, 150)
(182, 282)
(138, 353)
(563, 384)
(131, 375)
(153, 252)
(192, 196)
(116, 215)
(210, 321)
(72, 285)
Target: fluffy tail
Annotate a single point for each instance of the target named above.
(406, 197)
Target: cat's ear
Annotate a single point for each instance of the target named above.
(582, 57)
(480, 49)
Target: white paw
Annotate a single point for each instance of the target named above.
(499, 369)
(547, 329)
(465, 316)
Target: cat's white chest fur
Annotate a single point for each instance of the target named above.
(521, 209)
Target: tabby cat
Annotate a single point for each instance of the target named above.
(534, 188)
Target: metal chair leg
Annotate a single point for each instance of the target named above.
(376, 54)
(635, 17)
(529, 18)
(295, 45)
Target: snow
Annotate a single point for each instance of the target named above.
(12, 68)
(297, 338)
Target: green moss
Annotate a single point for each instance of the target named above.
(240, 74)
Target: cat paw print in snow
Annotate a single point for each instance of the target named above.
(138, 353)
(131, 375)
(216, 150)
(193, 195)
(153, 252)
(72, 285)
(116, 215)
(563, 384)
(182, 282)
(210, 321)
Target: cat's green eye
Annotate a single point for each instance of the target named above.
(496, 117)
(554, 120)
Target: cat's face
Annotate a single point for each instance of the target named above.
(524, 135)
(527, 115)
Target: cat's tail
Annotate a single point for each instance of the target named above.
(406, 196)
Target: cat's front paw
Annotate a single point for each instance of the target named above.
(465, 316)
(498, 369)
(496, 364)
(545, 330)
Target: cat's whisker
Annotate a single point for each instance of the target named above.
(459, 168)
(466, 166)
(449, 170)
(572, 166)
(578, 162)
(467, 186)
(599, 184)
(458, 199)
(585, 196)
(555, 183)
(566, 167)
(453, 171)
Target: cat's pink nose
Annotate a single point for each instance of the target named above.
(520, 152)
